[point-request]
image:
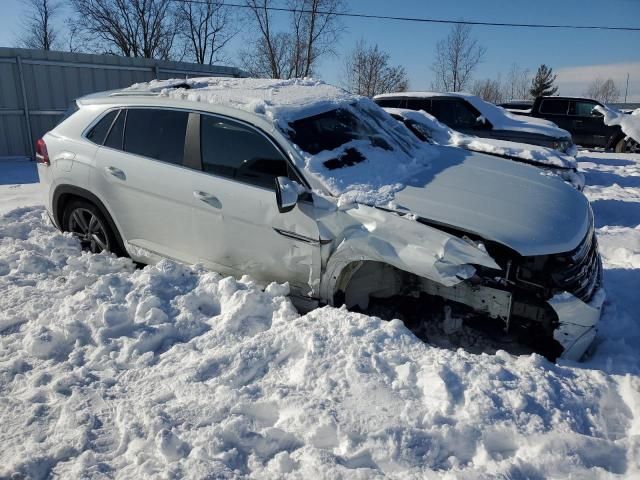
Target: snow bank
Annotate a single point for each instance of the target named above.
(630, 124)
(171, 371)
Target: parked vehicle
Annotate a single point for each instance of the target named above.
(297, 181)
(578, 116)
(427, 128)
(473, 116)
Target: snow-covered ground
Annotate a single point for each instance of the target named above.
(108, 371)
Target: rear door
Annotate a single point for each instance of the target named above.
(557, 111)
(140, 177)
(237, 224)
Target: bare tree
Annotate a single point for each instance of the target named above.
(207, 27)
(133, 28)
(517, 83)
(604, 91)
(367, 72)
(313, 31)
(457, 56)
(489, 90)
(38, 30)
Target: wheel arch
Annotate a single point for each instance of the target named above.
(64, 194)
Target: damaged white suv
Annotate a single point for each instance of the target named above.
(297, 181)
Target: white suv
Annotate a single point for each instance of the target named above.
(299, 182)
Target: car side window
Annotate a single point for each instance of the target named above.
(419, 104)
(455, 113)
(390, 102)
(156, 133)
(554, 106)
(232, 150)
(582, 109)
(99, 131)
(114, 137)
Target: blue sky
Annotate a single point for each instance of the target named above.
(579, 56)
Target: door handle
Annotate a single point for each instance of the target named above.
(116, 172)
(208, 198)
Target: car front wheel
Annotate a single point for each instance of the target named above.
(86, 223)
(627, 145)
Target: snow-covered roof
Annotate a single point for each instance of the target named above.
(290, 98)
(500, 118)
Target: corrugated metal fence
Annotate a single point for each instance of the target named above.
(37, 86)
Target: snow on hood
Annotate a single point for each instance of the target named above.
(499, 200)
(444, 135)
(500, 118)
(373, 181)
(630, 124)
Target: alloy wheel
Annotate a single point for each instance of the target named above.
(88, 228)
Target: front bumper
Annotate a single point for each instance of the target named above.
(577, 322)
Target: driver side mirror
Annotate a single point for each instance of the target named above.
(595, 113)
(287, 194)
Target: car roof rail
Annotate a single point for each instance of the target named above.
(153, 91)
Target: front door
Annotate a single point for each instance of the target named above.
(237, 224)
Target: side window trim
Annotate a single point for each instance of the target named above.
(120, 112)
(96, 121)
(290, 167)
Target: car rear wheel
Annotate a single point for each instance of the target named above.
(85, 222)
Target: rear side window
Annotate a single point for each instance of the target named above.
(114, 138)
(554, 106)
(99, 131)
(232, 150)
(156, 133)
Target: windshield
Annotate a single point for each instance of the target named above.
(332, 129)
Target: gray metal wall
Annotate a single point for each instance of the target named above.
(37, 86)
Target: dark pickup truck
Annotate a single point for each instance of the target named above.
(577, 116)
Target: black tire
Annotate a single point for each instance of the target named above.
(89, 225)
(627, 145)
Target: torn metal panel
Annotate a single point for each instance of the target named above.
(368, 234)
(577, 322)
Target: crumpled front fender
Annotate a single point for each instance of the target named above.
(405, 244)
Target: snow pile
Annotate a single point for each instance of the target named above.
(171, 371)
(499, 118)
(374, 181)
(630, 124)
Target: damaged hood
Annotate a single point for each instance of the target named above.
(514, 204)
